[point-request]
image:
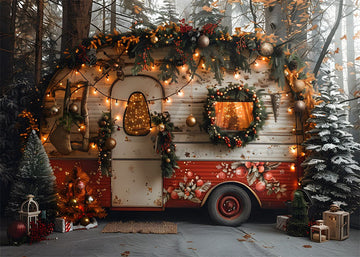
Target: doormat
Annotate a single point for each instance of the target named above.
(141, 227)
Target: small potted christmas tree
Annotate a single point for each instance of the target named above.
(298, 224)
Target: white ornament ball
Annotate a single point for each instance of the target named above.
(266, 49)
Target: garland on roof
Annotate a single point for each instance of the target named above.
(190, 46)
(234, 93)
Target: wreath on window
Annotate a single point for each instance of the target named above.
(232, 94)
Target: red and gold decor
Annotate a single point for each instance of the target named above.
(17, 231)
(74, 204)
(164, 144)
(234, 115)
(338, 221)
(190, 121)
(319, 232)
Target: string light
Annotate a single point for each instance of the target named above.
(83, 65)
(100, 68)
(293, 149)
(107, 100)
(95, 91)
(236, 75)
(76, 72)
(256, 64)
(93, 145)
(289, 110)
(183, 68)
(292, 167)
(117, 117)
(180, 93)
(168, 99)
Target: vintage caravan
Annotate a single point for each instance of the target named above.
(230, 146)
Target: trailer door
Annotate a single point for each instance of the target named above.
(137, 178)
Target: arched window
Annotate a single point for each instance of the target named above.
(137, 120)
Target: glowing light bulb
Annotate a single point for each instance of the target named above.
(168, 100)
(256, 64)
(289, 110)
(183, 68)
(116, 102)
(93, 145)
(166, 82)
(293, 149)
(180, 93)
(236, 75)
(292, 167)
(60, 84)
(95, 91)
(117, 117)
(203, 66)
(107, 100)
(196, 54)
(76, 72)
(83, 65)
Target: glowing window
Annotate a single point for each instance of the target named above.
(137, 120)
(234, 116)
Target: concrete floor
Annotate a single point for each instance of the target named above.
(196, 237)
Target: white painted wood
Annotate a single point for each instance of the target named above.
(136, 184)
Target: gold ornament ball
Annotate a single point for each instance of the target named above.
(85, 221)
(73, 108)
(110, 143)
(161, 127)
(299, 85)
(299, 106)
(102, 123)
(168, 160)
(154, 39)
(73, 202)
(266, 49)
(191, 121)
(54, 110)
(203, 41)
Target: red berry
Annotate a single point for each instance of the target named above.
(268, 176)
(170, 189)
(197, 193)
(241, 172)
(174, 195)
(260, 186)
(261, 169)
(199, 183)
(248, 165)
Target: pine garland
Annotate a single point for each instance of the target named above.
(235, 93)
(164, 144)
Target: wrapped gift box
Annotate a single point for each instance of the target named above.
(282, 221)
(62, 225)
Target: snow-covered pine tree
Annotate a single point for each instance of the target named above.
(35, 177)
(331, 173)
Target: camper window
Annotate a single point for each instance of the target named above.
(137, 117)
(233, 116)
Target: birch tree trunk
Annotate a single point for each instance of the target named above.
(274, 20)
(113, 17)
(339, 57)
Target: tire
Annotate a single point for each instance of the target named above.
(229, 205)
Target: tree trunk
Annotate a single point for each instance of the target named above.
(274, 18)
(113, 17)
(7, 38)
(328, 39)
(38, 40)
(104, 17)
(76, 22)
(85, 115)
(338, 56)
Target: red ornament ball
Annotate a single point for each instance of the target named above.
(199, 182)
(16, 230)
(189, 174)
(174, 195)
(197, 193)
(222, 175)
(268, 176)
(260, 186)
(241, 172)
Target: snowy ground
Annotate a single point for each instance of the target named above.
(195, 237)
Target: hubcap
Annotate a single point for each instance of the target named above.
(229, 206)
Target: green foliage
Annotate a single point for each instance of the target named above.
(164, 144)
(331, 173)
(35, 177)
(234, 93)
(68, 119)
(298, 224)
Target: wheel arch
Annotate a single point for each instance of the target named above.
(253, 196)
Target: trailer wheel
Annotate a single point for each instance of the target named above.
(229, 205)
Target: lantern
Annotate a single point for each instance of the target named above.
(338, 222)
(319, 232)
(29, 212)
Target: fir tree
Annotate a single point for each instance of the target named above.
(331, 173)
(205, 12)
(35, 177)
(299, 222)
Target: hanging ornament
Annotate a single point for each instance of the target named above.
(120, 74)
(299, 85)
(102, 123)
(168, 150)
(161, 127)
(80, 185)
(85, 221)
(73, 202)
(299, 106)
(54, 110)
(154, 39)
(203, 41)
(168, 160)
(191, 121)
(73, 108)
(89, 199)
(275, 102)
(266, 49)
(110, 143)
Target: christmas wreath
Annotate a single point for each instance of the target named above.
(164, 144)
(234, 93)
